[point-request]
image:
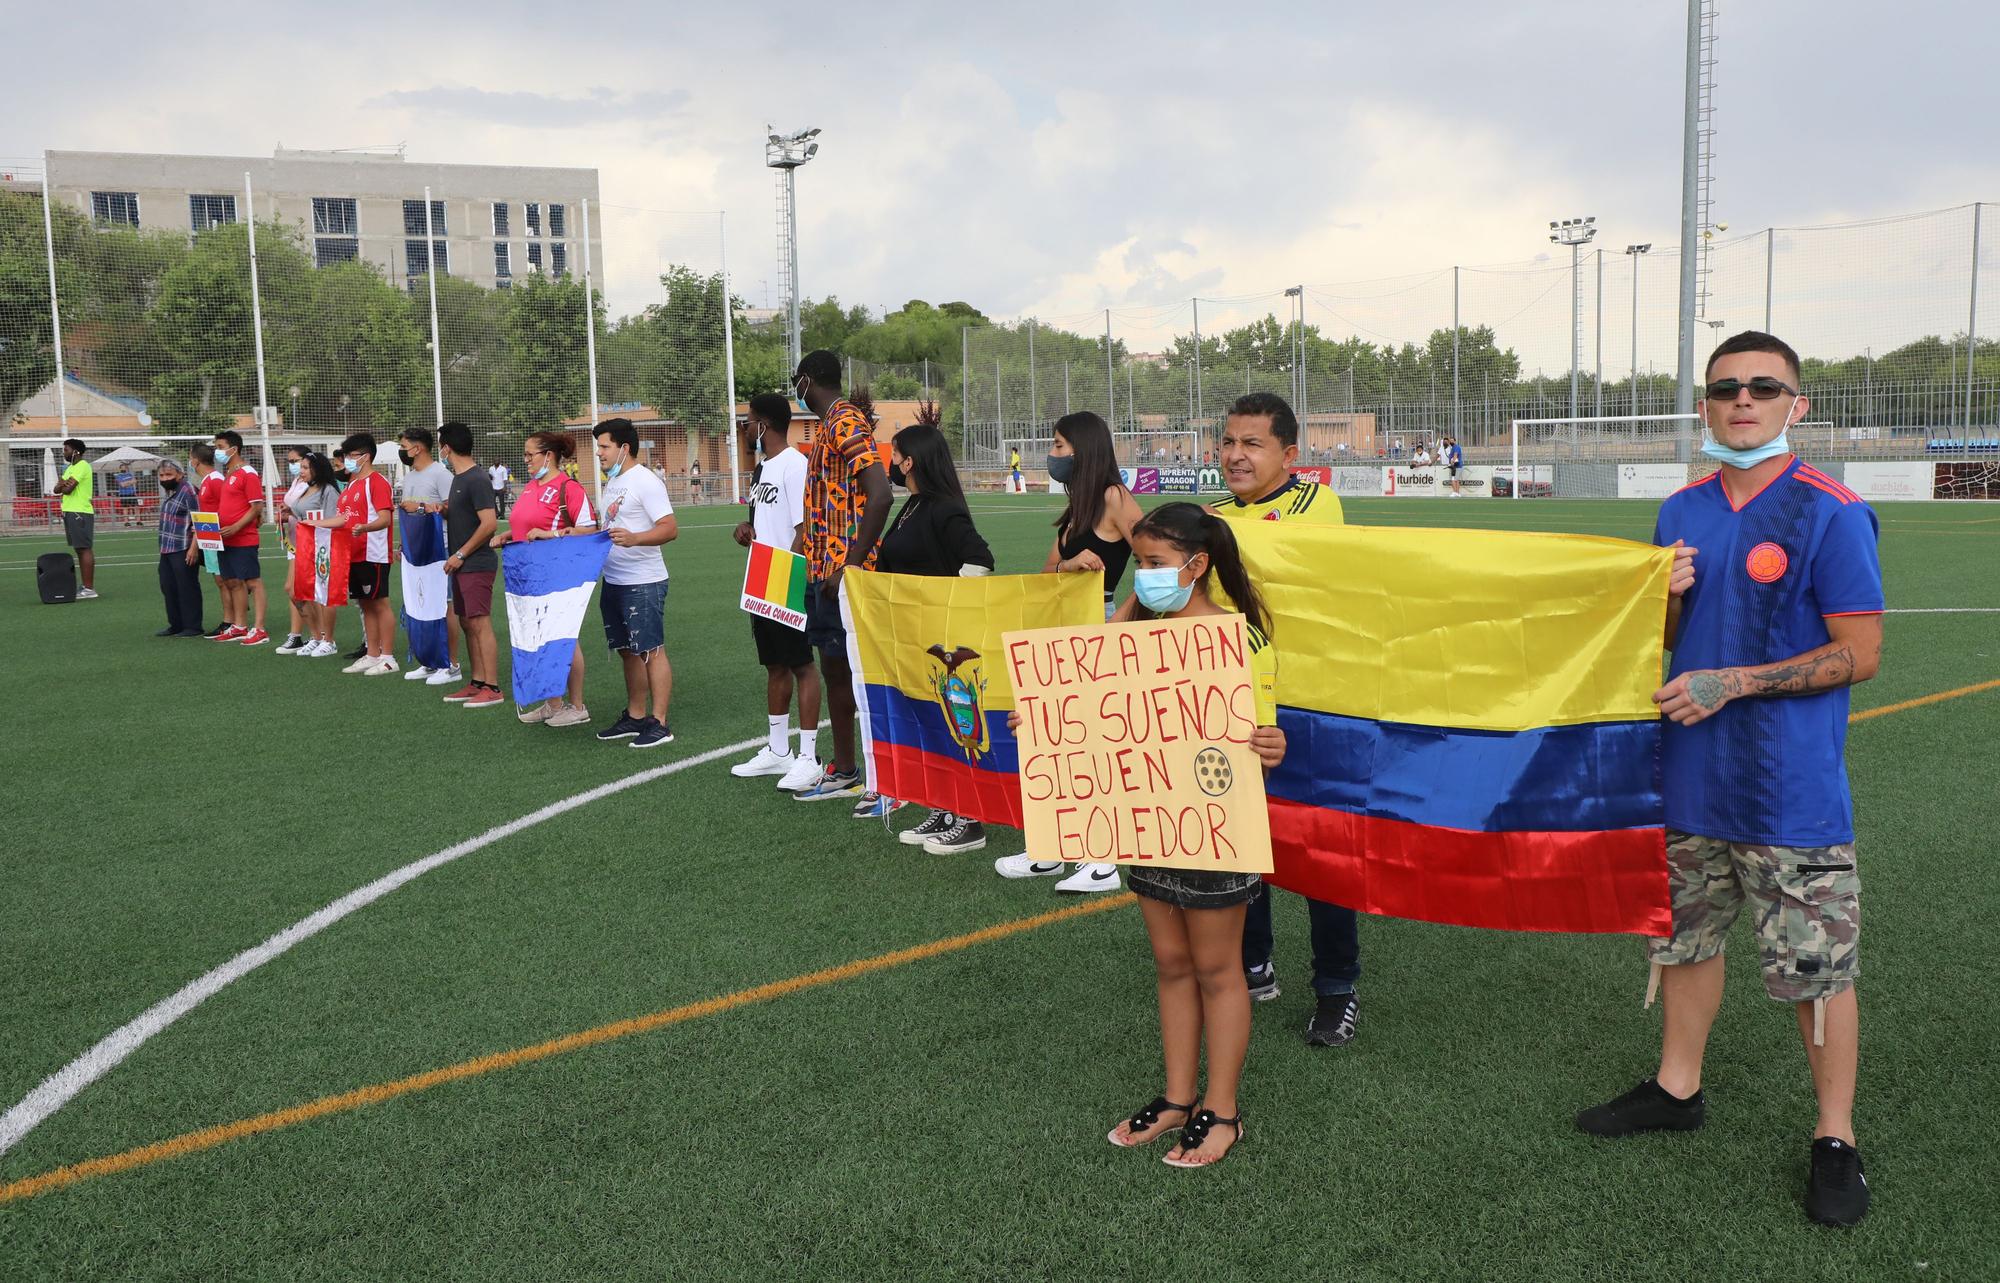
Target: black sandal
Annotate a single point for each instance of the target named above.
(1145, 1121)
(1195, 1133)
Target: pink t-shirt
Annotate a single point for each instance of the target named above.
(551, 504)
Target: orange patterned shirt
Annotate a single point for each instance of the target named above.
(842, 446)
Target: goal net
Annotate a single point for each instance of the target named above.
(1629, 456)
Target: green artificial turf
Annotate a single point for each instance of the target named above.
(173, 802)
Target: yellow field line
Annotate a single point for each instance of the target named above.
(1922, 700)
(210, 1137)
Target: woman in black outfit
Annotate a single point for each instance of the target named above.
(1093, 533)
(932, 535)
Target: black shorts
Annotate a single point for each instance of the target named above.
(239, 563)
(823, 627)
(779, 646)
(367, 580)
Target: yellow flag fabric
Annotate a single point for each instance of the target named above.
(1479, 630)
(893, 620)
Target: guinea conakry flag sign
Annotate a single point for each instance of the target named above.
(319, 571)
(932, 685)
(1470, 736)
(1135, 744)
(774, 585)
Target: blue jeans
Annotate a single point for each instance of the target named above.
(634, 616)
(1335, 939)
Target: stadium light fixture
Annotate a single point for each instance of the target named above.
(787, 152)
(1635, 251)
(1575, 233)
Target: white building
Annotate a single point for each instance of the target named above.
(489, 223)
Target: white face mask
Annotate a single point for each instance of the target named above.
(1754, 455)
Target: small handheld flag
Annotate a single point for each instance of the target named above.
(774, 585)
(208, 531)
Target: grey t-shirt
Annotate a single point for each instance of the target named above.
(471, 494)
(428, 485)
(323, 502)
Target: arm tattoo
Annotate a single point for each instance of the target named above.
(1705, 689)
(1824, 669)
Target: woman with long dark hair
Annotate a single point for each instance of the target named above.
(552, 505)
(299, 634)
(1094, 533)
(933, 534)
(1194, 917)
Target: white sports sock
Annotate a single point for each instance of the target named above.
(781, 726)
(808, 744)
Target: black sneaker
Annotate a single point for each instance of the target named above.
(222, 628)
(1263, 982)
(964, 835)
(653, 734)
(1333, 1021)
(1648, 1107)
(166, 632)
(624, 728)
(1837, 1191)
(935, 824)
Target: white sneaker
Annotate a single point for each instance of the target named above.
(765, 763)
(568, 715)
(444, 677)
(418, 674)
(1091, 877)
(541, 712)
(382, 667)
(293, 645)
(1026, 866)
(325, 650)
(85, 594)
(803, 772)
(363, 664)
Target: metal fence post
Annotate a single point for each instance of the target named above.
(437, 345)
(1110, 378)
(55, 307)
(1600, 335)
(728, 343)
(1034, 404)
(1972, 317)
(257, 333)
(1770, 271)
(1196, 411)
(1454, 359)
(965, 381)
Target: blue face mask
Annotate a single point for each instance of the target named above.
(292, 468)
(352, 464)
(539, 473)
(221, 457)
(1753, 456)
(1160, 588)
(611, 473)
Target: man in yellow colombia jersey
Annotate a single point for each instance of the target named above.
(1260, 442)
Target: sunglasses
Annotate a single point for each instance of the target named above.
(1762, 388)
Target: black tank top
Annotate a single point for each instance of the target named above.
(1114, 553)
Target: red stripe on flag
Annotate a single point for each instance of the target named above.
(757, 580)
(1612, 880)
(947, 784)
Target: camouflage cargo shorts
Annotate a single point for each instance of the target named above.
(1805, 905)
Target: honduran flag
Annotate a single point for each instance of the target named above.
(319, 570)
(932, 688)
(1470, 731)
(426, 588)
(549, 582)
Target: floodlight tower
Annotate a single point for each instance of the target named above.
(1635, 251)
(786, 153)
(1575, 233)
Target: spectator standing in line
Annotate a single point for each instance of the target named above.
(498, 472)
(241, 511)
(365, 512)
(553, 504)
(180, 586)
(78, 488)
(426, 486)
(317, 504)
(471, 515)
(208, 498)
(634, 602)
(777, 518)
(847, 505)
(298, 632)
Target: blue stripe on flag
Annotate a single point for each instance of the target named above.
(423, 538)
(548, 584)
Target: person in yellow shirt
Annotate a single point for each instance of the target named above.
(1260, 442)
(77, 488)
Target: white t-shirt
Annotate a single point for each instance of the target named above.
(428, 485)
(635, 500)
(778, 500)
(498, 472)
(1423, 457)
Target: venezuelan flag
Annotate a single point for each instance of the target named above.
(932, 686)
(1471, 736)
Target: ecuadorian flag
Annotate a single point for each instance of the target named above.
(1470, 731)
(932, 687)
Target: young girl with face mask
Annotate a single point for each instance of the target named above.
(1194, 918)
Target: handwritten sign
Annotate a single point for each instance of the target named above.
(1135, 744)
(207, 531)
(774, 585)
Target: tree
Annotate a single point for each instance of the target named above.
(681, 370)
(546, 359)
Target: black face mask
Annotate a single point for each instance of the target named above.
(895, 475)
(170, 486)
(408, 461)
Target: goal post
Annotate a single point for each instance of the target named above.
(1581, 457)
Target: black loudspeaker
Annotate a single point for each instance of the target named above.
(55, 577)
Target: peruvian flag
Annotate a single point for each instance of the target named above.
(319, 573)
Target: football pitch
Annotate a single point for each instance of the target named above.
(687, 1028)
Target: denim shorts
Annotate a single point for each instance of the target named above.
(635, 616)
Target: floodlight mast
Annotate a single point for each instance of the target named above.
(1575, 233)
(787, 152)
(1635, 251)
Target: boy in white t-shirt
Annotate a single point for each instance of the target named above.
(640, 518)
(777, 518)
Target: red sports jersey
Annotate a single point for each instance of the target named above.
(241, 489)
(360, 504)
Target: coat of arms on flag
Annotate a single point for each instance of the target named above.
(774, 585)
(319, 570)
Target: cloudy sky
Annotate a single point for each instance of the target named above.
(1054, 159)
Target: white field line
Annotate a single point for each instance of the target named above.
(59, 1088)
(1945, 610)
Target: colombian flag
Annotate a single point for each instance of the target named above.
(932, 686)
(1471, 736)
